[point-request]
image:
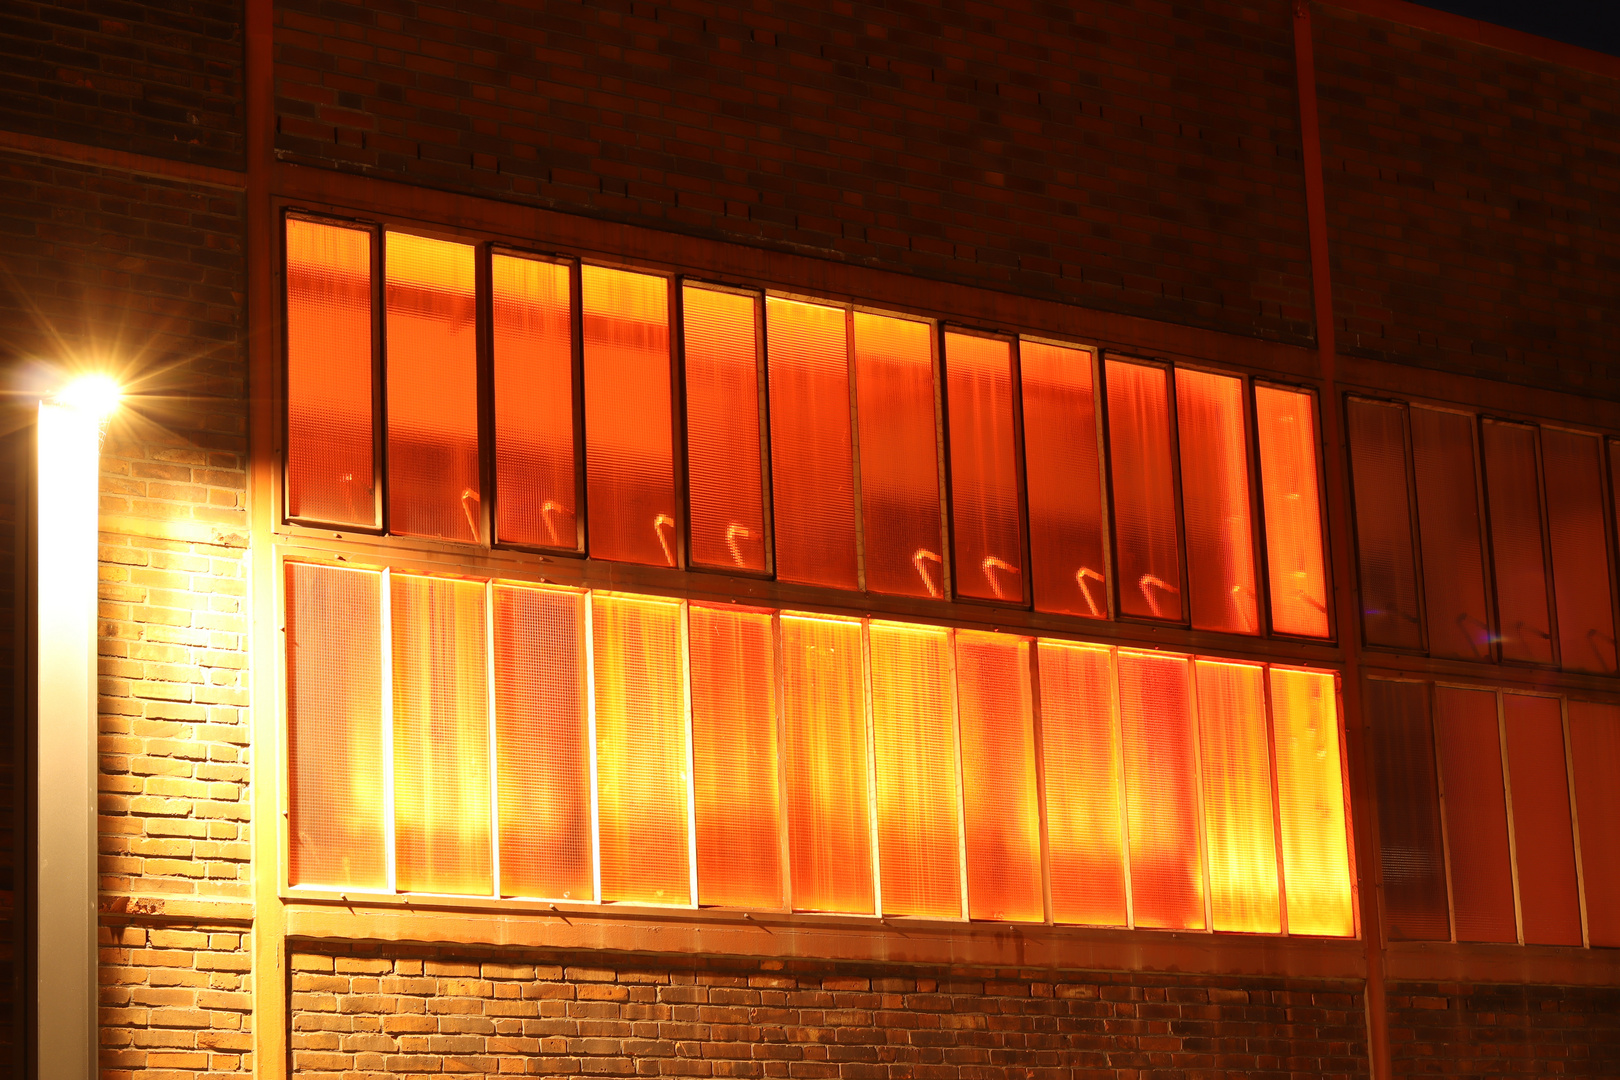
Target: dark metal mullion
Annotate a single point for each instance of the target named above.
(379, 376)
(767, 501)
(677, 425)
(576, 320)
(949, 572)
(1415, 528)
(1493, 630)
(1105, 460)
(1175, 480)
(1259, 540)
(1549, 573)
(1026, 576)
(484, 387)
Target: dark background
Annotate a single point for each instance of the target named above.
(1591, 24)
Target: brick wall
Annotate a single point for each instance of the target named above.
(401, 1011)
(1446, 1029)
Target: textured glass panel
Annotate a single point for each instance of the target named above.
(914, 738)
(1476, 814)
(641, 753)
(812, 455)
(1448, 526)
(1513, 492)
(984, 469)
(335, 803)
(1067, 531)
(1161, 782)
(1286, 424)
(734, 756)
(1081, 753)
(1580, 551)
(1594, 743)
(724, 477)
(535, 477)
(828, 789)
(1144, 491)
(1310, 802)
(999, 801)
(1389, 605)
(900, 518)
(1238, 825)
(542, 744)
(330, 432)
(1215, 501)
(632, 513)
(1413, 855)
(441, 737)
(1544, 846)
(433, 486)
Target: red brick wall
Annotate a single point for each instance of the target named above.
(1446, 1029)
(401, 1011)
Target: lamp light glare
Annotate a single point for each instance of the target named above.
(92, 395)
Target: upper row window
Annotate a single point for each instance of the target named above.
(641, 418)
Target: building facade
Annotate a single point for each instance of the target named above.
(871, 540)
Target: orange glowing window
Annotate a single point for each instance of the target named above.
(641, 750)
(988, 536)
(1215, 501)
(1141, 461)
(1594, 743)
(825, 759)
(1002, 817)
(1580, 551)
(1067, 532)
(1161, 784)
(1080, 752)
(1239, 829)
(335, 810)
(433, 484)
(812, 451)
(914, 739)
(536, 482)
(1285, 421)
(1448, 531)
(542, 744)
(1413, 852)
(1389, 604)
(441, 736)
(1476, 814)
(632, 513)
(1513, 491)
(725, 477)
(331, 432)
(899, 450)
(1310, 803)
(734, 754)
(1538, 778)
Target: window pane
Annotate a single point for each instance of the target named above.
(334, 728)
(1476, 814)
(1549, 906)
(441, 737)
(629, 463)
(1081, 754)
(984, 469)
(1310, 800)
(535, 480)
(1413, 855)
(1594, 743)
(433, 485)
(1389, 607)
(914, 738)
(812, 456)
(734, 755)
(1144, 491)
(1580, 551)
(1514, 494)
(641, 751)
(828, 789)
(723, 473)
(1238, 823)
(998, 778)
(542, 745)
(1286, 425)
(330, 434)
(1448, 527)
(1161, 780)
(900, 518)
(1067, 533)
(1215, 499)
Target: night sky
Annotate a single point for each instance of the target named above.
(1591, 24)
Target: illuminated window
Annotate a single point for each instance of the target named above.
(1142, 461)
(1286, 424)
(985, 521)
(1215, 497)
(1068, 530)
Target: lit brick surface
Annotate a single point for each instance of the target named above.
(176, 1002)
